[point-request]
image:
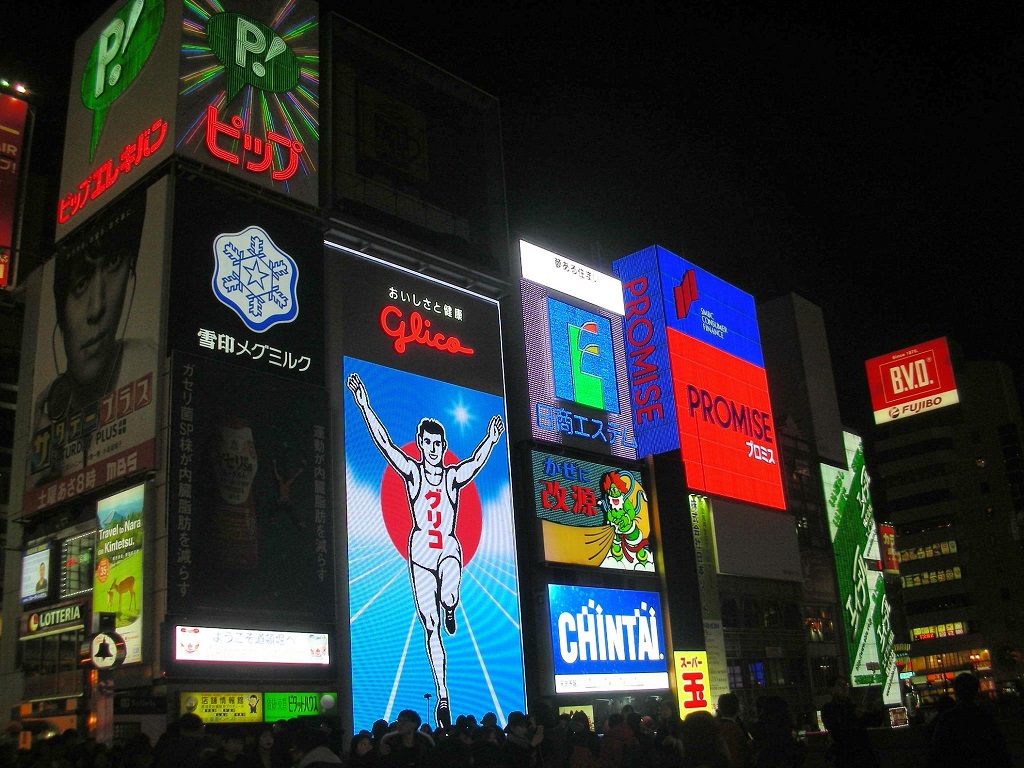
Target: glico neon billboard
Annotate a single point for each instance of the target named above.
(697, 378)
(911, 381)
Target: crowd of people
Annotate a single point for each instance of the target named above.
(545, 739)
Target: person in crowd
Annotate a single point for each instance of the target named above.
(618, 740)
(363, 751)
(309, 750)
(846, 724)
(643, 755)
(261, 753)
(775, 745)
(583, 747)
(230, 752)
(521, 741)
(734, 734)
(967, 734)
(702, 745)
(405, 746)
(183, 746)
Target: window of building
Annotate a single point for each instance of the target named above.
(730, 612)
(76, 564)
(756, 676)
(735, 676)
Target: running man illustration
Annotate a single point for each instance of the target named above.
(435, 554)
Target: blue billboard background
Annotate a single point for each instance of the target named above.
(577, 612)
(390, 671)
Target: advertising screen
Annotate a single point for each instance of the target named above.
(433, 587)
(77, 555)
(12, 128)
(697, 378)
(887, 539)
(572, 315)
(606, 639)
(94, 418)
(250, 646)
(415, 152)
(35, 574)
(592, 514)
(285, 706)
(246, 284)
(869, 636)
(250, 513)
(249, 102)
(117, 581)
(223, 708)
(911, 381)
(121, 107)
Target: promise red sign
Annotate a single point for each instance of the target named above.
(12, 137)
(911, 381)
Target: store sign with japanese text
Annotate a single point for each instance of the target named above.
(117, 585)
(247, 284)
(869, 636)
(911, 381)
(250, 93)
(433, 585)
(572, 316)
(13, 119)
(606, 640)
(887, 541)
(121, 107)
(697, 377)
(285, 706)
(250, 646)
(94, 419)
(702, 523)
(228, 707)
(62, 617)
(693, 683)
(592, 514)
(248, 493)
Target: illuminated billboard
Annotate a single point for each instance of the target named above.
(246, 283)
(117, 585)
(226, 707)
(433, 587)
(415, 152)
(249, 101)
(869, 636)
(911, 381)
(592, 514)
(250, 646)
(702, 523)
(250, 521)
(697, 378)
(694, 691)
(36, 573)
(94, 419)
(572, 317)
(887, 539)
(121, 107)
(606, 640)
(13, 118)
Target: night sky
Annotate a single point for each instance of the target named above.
(868, 157)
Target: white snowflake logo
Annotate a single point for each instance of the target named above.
(254, 277)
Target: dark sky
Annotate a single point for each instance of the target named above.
(866, 156)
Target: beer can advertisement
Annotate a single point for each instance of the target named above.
(249, 522)
(95, 381)
(117, 581)
(606, 639)
(911, 381)
(432, 578)
(592, 514)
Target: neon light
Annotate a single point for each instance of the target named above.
(418, 332)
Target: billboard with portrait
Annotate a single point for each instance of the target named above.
(911, 381)
(249, 102)
(575, 357)
(247, 283)
(697, 377)
(869, 636)
(36, 566)
(249, 494)
(592, 514)
(94, 390)
(117, 585)
(120, 121)
(606, 640)
(415, 152)
(432, 580)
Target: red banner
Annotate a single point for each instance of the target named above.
(12, 136)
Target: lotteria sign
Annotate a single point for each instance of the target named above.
(697, 377)
(911, 381)
(60, 618)
(606, 639)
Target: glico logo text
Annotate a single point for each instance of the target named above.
(728, 414)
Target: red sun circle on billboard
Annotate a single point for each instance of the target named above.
(394, 506)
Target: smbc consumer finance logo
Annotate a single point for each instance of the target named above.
(119, 54)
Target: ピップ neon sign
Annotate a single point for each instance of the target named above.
(261, 150)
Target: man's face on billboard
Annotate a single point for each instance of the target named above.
(92, 311)
(432, 448)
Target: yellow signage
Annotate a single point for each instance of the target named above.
(224, 707)
(693, 683)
